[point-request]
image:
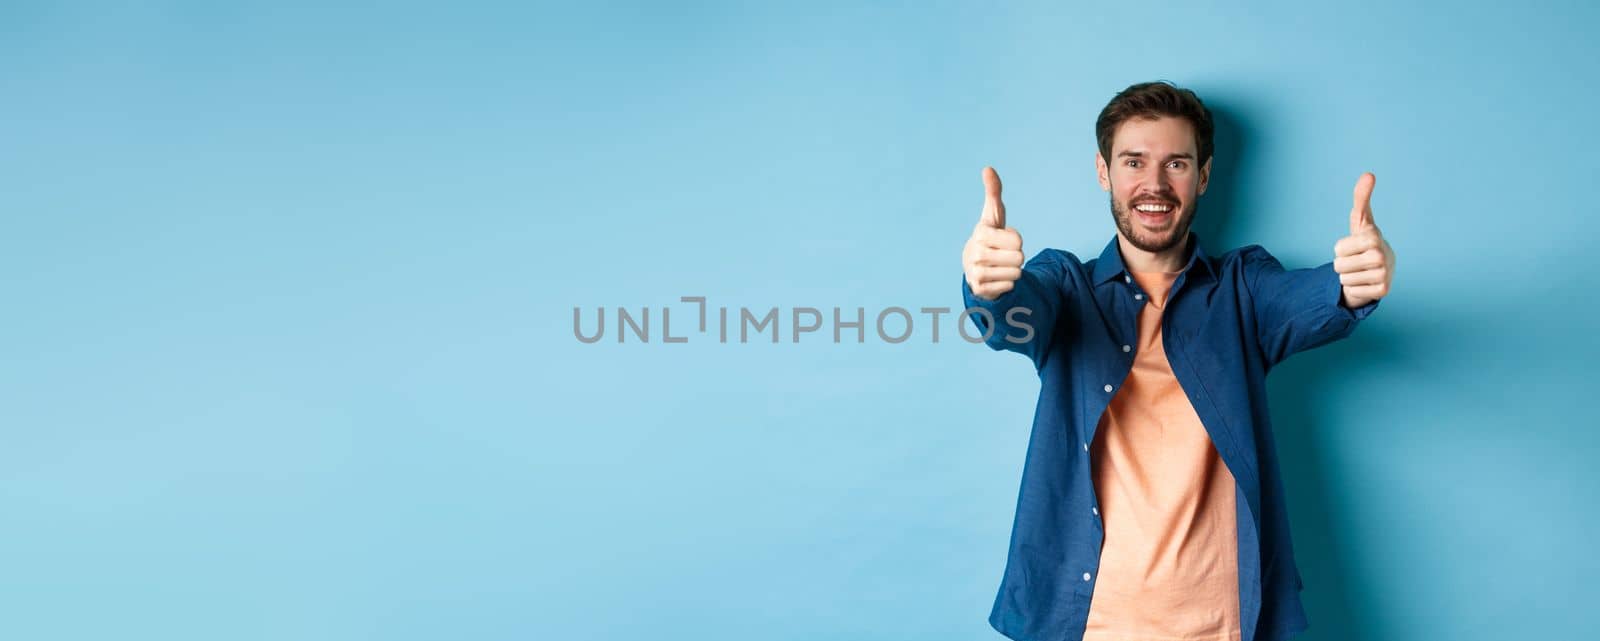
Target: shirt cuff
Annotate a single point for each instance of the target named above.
(994, 307)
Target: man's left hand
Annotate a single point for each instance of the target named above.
(1363, 259)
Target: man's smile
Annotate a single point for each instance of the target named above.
(1154, 214)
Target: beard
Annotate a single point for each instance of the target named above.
(1161, 240)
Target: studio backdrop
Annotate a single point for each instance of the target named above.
(622, 321)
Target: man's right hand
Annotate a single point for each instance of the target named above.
(992, 258)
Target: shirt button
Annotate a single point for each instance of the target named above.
(1108, 388)
(1125, 348)
(1095, 510)
(1086, 576)
(1085, 447)
(1126, 278)
(1138, 296)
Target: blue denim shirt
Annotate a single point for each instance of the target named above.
(1228, 320)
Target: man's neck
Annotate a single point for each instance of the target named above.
(1139, 260)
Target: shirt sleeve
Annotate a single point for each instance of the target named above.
(1023, 320)
(1297, 309)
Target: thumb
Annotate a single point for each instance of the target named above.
(1361, 208)
(994, 211)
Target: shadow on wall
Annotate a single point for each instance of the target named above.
(1222, 201)
(1337, 599)
(1297, 395)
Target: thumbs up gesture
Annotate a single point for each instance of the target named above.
(1363, 259)
(992, 258)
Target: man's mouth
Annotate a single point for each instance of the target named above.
(1154, 214)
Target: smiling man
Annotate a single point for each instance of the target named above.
(1151, 504)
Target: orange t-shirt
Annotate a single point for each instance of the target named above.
(1169, 568)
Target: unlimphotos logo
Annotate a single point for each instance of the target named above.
(891, 324)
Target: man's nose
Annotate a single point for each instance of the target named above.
(1157, 188)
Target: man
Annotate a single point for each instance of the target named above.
(1151, 504)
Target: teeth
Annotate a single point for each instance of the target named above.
(1153, 208)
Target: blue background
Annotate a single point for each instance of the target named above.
(287, 350)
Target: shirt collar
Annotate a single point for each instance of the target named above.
(1110, 266)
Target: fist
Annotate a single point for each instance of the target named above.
(992, 258)
(1363, 259)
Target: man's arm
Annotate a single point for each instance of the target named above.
(1296, 309)
(1299, 309)
(1015, 306)
(1022, 320)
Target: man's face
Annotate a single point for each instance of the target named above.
(1154, 182)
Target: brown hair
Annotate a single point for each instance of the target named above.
(1152, 100)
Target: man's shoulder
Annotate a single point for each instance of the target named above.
(1238, 258)
(1053, 256)
(1243, 258)
(1246, 252)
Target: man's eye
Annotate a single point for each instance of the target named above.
(1132, 163)
(1177, 164)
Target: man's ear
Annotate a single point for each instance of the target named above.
(1102, 172)
(1205, 175)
